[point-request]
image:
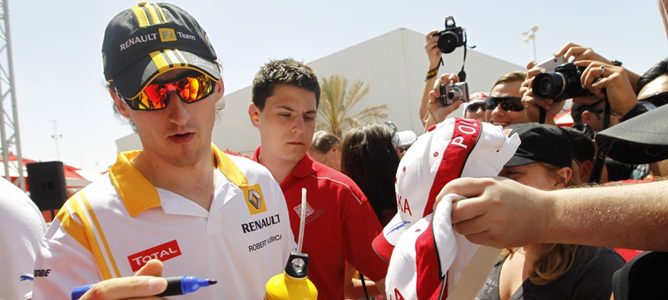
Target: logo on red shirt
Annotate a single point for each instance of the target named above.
(162, 252)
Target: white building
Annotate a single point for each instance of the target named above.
(393, 65)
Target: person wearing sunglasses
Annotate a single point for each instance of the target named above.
(475, 108)
(180, 200)
(504, 105)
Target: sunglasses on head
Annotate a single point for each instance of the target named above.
(658, 99)
(507, 103)
(191, 88)
(475, 106)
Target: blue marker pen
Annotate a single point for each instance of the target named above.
(179, 285)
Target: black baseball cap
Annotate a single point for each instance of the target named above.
(541, 143)
(640, 140)
(149, 39)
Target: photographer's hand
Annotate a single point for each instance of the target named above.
(434, 56)
(533, 104)
(580, 53)
(600, 76)
(435, 111)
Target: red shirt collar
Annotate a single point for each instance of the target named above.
(304, 167)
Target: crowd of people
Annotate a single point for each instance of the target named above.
(181, 206)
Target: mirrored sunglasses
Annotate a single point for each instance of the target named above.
(190, 88)
(507, 103)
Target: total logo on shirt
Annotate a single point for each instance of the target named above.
(162, 252)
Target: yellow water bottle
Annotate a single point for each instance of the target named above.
(293, 283)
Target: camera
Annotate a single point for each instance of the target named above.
(453, 92)
(451, 37)
(562, 84)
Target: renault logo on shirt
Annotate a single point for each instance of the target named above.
(254, 199)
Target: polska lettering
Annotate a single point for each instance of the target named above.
(466, 127)
(259, 224)
(262, 244)
(404, 205)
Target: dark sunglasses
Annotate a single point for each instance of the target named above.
(475, 106)
(155, 96)
(658, 99)
(507, 103)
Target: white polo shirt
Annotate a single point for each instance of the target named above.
(113, 227)
(21, 228)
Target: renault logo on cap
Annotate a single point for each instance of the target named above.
(254, 199)
(167, 34)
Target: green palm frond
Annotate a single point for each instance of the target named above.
(336, 102)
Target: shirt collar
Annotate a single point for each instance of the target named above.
(305, 167)
(138, 194)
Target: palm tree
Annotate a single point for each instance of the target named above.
(337, 100)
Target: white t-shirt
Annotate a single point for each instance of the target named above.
(112, 227)
(21, 227)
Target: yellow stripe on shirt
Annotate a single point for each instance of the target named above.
(71, 226)
(94, 247)
(100, 232)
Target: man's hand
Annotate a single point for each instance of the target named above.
(579, 53)
(146, 283)
(499, 212)
(532, 103)
(604, 79)
(438, 112)
(431, 47)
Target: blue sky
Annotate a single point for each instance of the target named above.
(58, 65)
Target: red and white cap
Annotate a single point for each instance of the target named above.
(454, 148)
(428, 253)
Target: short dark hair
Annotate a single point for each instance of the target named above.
(323, 141)
(285, 71)
(370, 159)
(511, 77)
(654, 72)
(578, 108)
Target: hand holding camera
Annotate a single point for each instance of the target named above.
(533, 103)
(608, 81)
(446, 96)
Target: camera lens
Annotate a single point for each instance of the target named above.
(454, 94)
(447, 42)
(548, 85)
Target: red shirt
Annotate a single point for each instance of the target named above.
(340, 225)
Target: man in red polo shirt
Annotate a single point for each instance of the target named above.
(340, 223)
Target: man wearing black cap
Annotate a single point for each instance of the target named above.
(180, 200)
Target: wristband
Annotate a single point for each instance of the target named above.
(432, 73)
(615, 62)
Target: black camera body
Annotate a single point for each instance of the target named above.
(451, 37)
(563, 83)
(453, 92)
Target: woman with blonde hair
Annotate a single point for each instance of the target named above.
(548, 271)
